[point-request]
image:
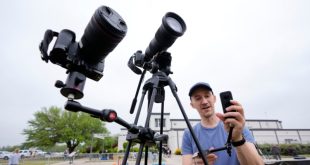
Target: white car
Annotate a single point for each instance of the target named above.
(25, 153)
(5, 155)
(39, 153)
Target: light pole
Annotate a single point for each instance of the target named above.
(100, 136)
(91, 146)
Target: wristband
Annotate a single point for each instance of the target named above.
(238, 143)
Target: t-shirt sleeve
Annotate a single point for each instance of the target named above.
(248, 135)
(186, 143)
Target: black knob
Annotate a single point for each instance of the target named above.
(59, 84)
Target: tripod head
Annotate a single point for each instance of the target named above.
(73, 88)
(146, 135)
(160, 62)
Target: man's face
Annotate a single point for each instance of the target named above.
(203, 101)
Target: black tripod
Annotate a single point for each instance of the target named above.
(73, 89)
(156, 94)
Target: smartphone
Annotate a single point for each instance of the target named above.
(225, 99)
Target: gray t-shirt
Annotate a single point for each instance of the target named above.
(212, 137)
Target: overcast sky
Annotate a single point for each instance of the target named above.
(259, 50)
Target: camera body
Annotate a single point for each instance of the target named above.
(68, 54)
(102, 34)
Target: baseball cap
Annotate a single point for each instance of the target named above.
(199, 85)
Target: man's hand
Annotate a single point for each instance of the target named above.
(238, 121)
(211, 158)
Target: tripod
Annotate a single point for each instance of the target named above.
(73, 89)
(156, 94)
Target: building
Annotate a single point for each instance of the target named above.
(264, 131)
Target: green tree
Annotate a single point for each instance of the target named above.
(53, 125)
(110, 143)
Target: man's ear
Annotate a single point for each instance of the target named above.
(214, 98)
(191, 105)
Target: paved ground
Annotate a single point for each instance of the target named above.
(173, 160)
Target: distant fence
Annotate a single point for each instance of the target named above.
(116, 157)
(37, 160)
(95, 157)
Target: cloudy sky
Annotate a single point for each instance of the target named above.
(259, 50)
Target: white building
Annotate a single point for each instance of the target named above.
(264, 131)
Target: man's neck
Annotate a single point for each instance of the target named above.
(210, 122)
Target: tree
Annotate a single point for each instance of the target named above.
(110, 143)
(54, 125)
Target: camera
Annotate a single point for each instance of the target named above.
(172, 27)
(102, 34)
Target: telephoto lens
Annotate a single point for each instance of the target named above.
(102, 34)
(171, 28)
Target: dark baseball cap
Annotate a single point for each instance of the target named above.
(199, 85)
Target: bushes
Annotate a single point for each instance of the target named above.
(287, 149)
(177, 151)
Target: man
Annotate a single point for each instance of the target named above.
(212, 132)
(275, 150)
(14, 158)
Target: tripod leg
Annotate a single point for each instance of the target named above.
(173, 90)
(150, 107)
(133, 104)
(152, 100)
(140, 107)
(161, 132)
(147, 122)
(135, 122)
(146, 155)
(127, 153)
(140, 154)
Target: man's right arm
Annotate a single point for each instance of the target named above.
(186, 149)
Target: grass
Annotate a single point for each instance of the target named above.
(31, 162)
